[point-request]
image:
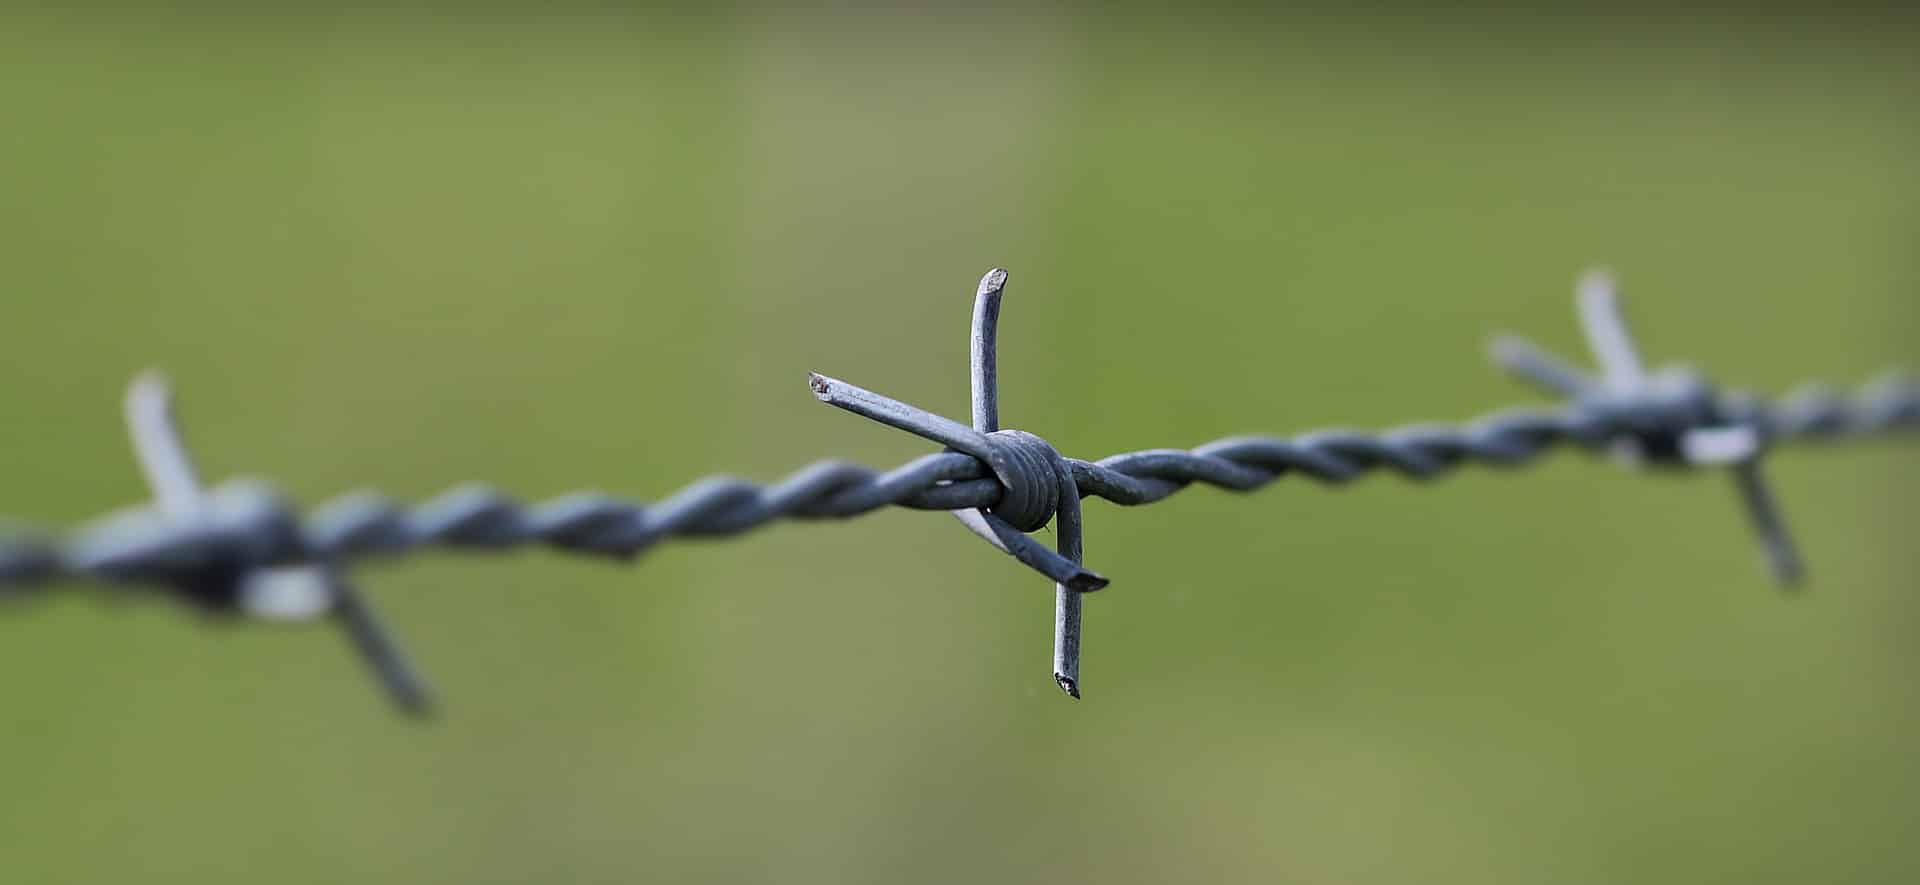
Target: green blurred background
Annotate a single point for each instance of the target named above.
(554, 248)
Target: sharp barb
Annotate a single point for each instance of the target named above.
(1607, 332)
(899, 415)
(1032, 553)
(985, 351)
(1071, 580)
(1520, 358)
(1783, 557)
(1068, 600)
(377, 648)
(157, 446)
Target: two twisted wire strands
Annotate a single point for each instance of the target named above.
(246, 521)
(1002, 484)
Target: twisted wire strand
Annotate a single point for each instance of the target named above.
(246, 524)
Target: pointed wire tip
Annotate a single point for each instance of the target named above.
(1789, 570)
(1505, 348)
(1597, 284)
(149, 388)
(413, 700)
(1086, 582)
(1067, 685)
(992, 283)
(822, 385)
(417, 708)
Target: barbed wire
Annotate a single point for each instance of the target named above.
(221, 550)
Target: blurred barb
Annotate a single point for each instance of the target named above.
(231, 581)
(1782, 556)
(376, 647)
(1528, 362)
(157, 446)
(1607, 333)
(1685, 423)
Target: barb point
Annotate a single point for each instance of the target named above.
(992, 283)
(821, 386)
(1067, 685)
(1506, 348)
(1597, 283)
(149, 389)
(1087, 582)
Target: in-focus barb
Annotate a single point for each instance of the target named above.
(1027, 497)
(1673, 416)
(228, 586)
(984, 372)
(1036, 484)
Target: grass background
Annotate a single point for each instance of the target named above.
(556, 248)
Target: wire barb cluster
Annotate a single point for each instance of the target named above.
(1003, 484)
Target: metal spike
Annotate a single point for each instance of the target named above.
(262, 592)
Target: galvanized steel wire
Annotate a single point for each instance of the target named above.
(248, 524)
(198, 549)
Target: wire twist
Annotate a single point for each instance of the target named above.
(1002, 483)
(246, 521)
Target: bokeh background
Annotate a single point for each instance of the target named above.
(557, 247)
